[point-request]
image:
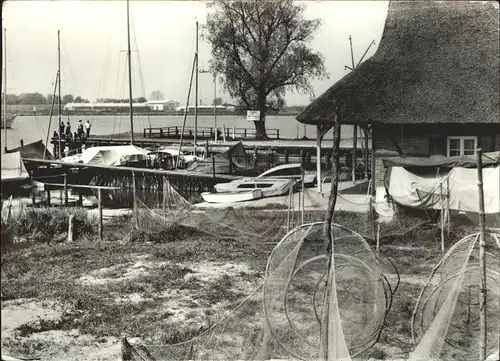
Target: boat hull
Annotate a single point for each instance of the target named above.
(269, 187)
(231, 197)
(10, 121)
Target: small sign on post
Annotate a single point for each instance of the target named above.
(253, 115)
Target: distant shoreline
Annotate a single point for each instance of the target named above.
(44, 110)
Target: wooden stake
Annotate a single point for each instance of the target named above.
(99, 205)
(134, 209)
(482, 260)
(165, 194)
(213, 166)
(70, 228)
(9, 209)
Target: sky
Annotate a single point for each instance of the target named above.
(94, 42)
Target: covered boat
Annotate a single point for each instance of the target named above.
(233, 161)
(14, 173)
(121, 155)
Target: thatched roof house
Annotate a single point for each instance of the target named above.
(437, 62)
(431, 88)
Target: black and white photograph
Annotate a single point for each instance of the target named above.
(250, 180)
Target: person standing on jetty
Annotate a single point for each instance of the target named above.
(68, 130)
(87, 128)
(80, 128)
(61, 128)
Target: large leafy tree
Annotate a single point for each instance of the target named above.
(261, 48)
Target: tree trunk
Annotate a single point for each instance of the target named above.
(327, 227)
(260, 130)
(260, 126)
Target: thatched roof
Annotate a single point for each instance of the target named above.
(437, 62)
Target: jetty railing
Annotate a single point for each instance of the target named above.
(207, 132)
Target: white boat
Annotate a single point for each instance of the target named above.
(270, 187)
(232, 197)
(290, 171)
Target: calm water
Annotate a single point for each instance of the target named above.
(33, 128)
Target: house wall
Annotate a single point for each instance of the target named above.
(424, 140)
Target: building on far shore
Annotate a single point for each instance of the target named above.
(163, 105)
(207, 109)
(149, 106)
(106, 107)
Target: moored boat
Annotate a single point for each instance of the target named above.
(232, 197)
(270, 187)
(9, 120)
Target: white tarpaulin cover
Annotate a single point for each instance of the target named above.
(111, 155)
(13, 167)
(416, 191)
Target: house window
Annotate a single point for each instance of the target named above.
(458, 146)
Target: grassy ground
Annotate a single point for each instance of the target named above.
(74, 301)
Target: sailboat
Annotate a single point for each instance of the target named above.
(7, 119)
(117, 155)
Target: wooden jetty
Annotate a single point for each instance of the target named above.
(175, 132)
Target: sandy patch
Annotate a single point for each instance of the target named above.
(50, 345)
(16, 313)
(121, 272)
(133, 298)
(59, 345)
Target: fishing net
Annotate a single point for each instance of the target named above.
(445, 321)
(227, 222)
(282, 317)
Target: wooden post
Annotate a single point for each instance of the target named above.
(234, 132)
(286, 156)
(165, 189)
(48, 197)
(134, 209)
(80, 199)
(302, 191)
(213, 166)
(482, 258)
(22, 142)
(367, 153)
(354, 151)
(448, 217)
(290, 195)
(65, 188)
(70, 228)
(224, 133)
(318, 158)
(297, 131)
(9, 209)
(99, 205)
(441, 200)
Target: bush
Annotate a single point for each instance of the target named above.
(170, 233)
(47, 224)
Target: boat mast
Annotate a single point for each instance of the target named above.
(5, 91)
(130, 78)
(59, 88)
(196, 90)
